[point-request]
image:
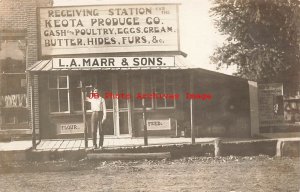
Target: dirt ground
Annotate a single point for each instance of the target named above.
(260, 173)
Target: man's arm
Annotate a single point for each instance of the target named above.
(88, 98)
(104, 110)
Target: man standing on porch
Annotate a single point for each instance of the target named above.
(98, 108)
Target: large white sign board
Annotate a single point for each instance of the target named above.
(108, 29)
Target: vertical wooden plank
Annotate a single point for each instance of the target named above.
(254, 115)
(32, 112)
(145, 123)
(191, 108)
(129, 105)
(84, 111)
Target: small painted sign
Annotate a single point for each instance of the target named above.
(13, 101)
(270, 104)
(159, 124)
(112, 62)
(70, 128)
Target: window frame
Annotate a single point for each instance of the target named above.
(57, 76)
(18, 36)
(164, 88)
(142, 84)
(153, 84)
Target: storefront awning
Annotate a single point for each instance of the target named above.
(49, 65)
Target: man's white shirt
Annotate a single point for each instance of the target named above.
(98, 105)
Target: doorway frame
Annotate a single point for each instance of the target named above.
(116, 110)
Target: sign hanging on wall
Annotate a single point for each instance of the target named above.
(112, 62)
(159, 124)
(270, 97)
(70, 128)
(13, 101)
(108, 29)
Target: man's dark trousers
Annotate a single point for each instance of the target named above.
(97, 121)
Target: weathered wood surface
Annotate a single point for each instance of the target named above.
(128, 156)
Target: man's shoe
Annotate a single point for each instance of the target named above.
(100, 147)
(94, 146)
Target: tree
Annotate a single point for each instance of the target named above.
(261, 37)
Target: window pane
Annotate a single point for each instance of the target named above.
(136, 83)
(9, 118)
(76, 96)
(53, 100)
(159, 78)
(137, 89)
(23, 82)
(109, 124)
(170, 90)
(138, 103)
(52, 81)
(122, 103)
(88, 106)
(122, 89)
(75, 81)
(12, 55)
(63, 82)
(160, 102)
(109, 104)
(124, 123)
(160, 90)
(105, 85)
(63, 97)
(148, 90)
(170, 102)
(14, 84)
(89, 79)
(148, 103)
(169, 78)
(23, 118)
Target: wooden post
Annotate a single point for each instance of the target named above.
(191, 108)
(145, 123)
(31, 80)
(84, 112)
(279, 147)
(217, 145)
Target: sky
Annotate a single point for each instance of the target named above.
(198, 35)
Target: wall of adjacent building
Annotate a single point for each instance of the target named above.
(19, 18)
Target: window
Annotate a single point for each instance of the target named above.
(59, 93)
(164, 84)
(13, 91)
(75, 85)
(65, 94)
(142, 85)
(137, 87)
(160, 83)
(9, 119)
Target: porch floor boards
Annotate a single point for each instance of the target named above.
(77, 144)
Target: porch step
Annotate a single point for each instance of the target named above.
(128, 156)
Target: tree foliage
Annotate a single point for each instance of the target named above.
(261, 37)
